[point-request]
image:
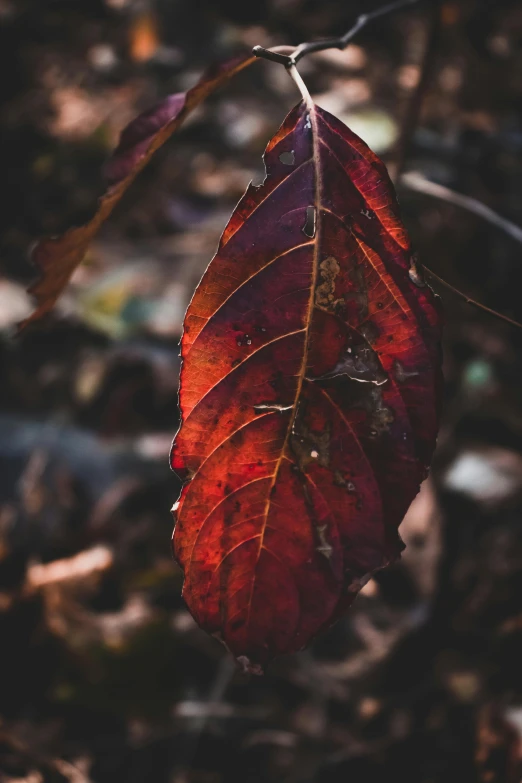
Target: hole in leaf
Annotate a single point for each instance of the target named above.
(288, 158)
(309, 226)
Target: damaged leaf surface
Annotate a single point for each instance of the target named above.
(309, 395)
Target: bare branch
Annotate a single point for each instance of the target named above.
(414, 180)
(413, 110)
(276, 55)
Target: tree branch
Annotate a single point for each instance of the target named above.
(411, 116)
(279, 54)
(414, 180)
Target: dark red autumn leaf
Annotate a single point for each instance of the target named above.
(309, 395)
(56, 258)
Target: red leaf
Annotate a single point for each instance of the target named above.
(57, 258)
(309, 395)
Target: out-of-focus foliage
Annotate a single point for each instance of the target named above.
(57, 258)
(103, 674)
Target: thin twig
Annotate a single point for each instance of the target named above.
(416, 181)
(276, 55)
(471, 301)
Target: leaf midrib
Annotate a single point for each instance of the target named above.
(317, 206)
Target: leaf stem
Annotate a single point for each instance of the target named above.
(301, 86)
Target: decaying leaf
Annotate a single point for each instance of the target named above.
(56, 258)
(309, 395)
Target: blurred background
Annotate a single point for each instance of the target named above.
(104, 676)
